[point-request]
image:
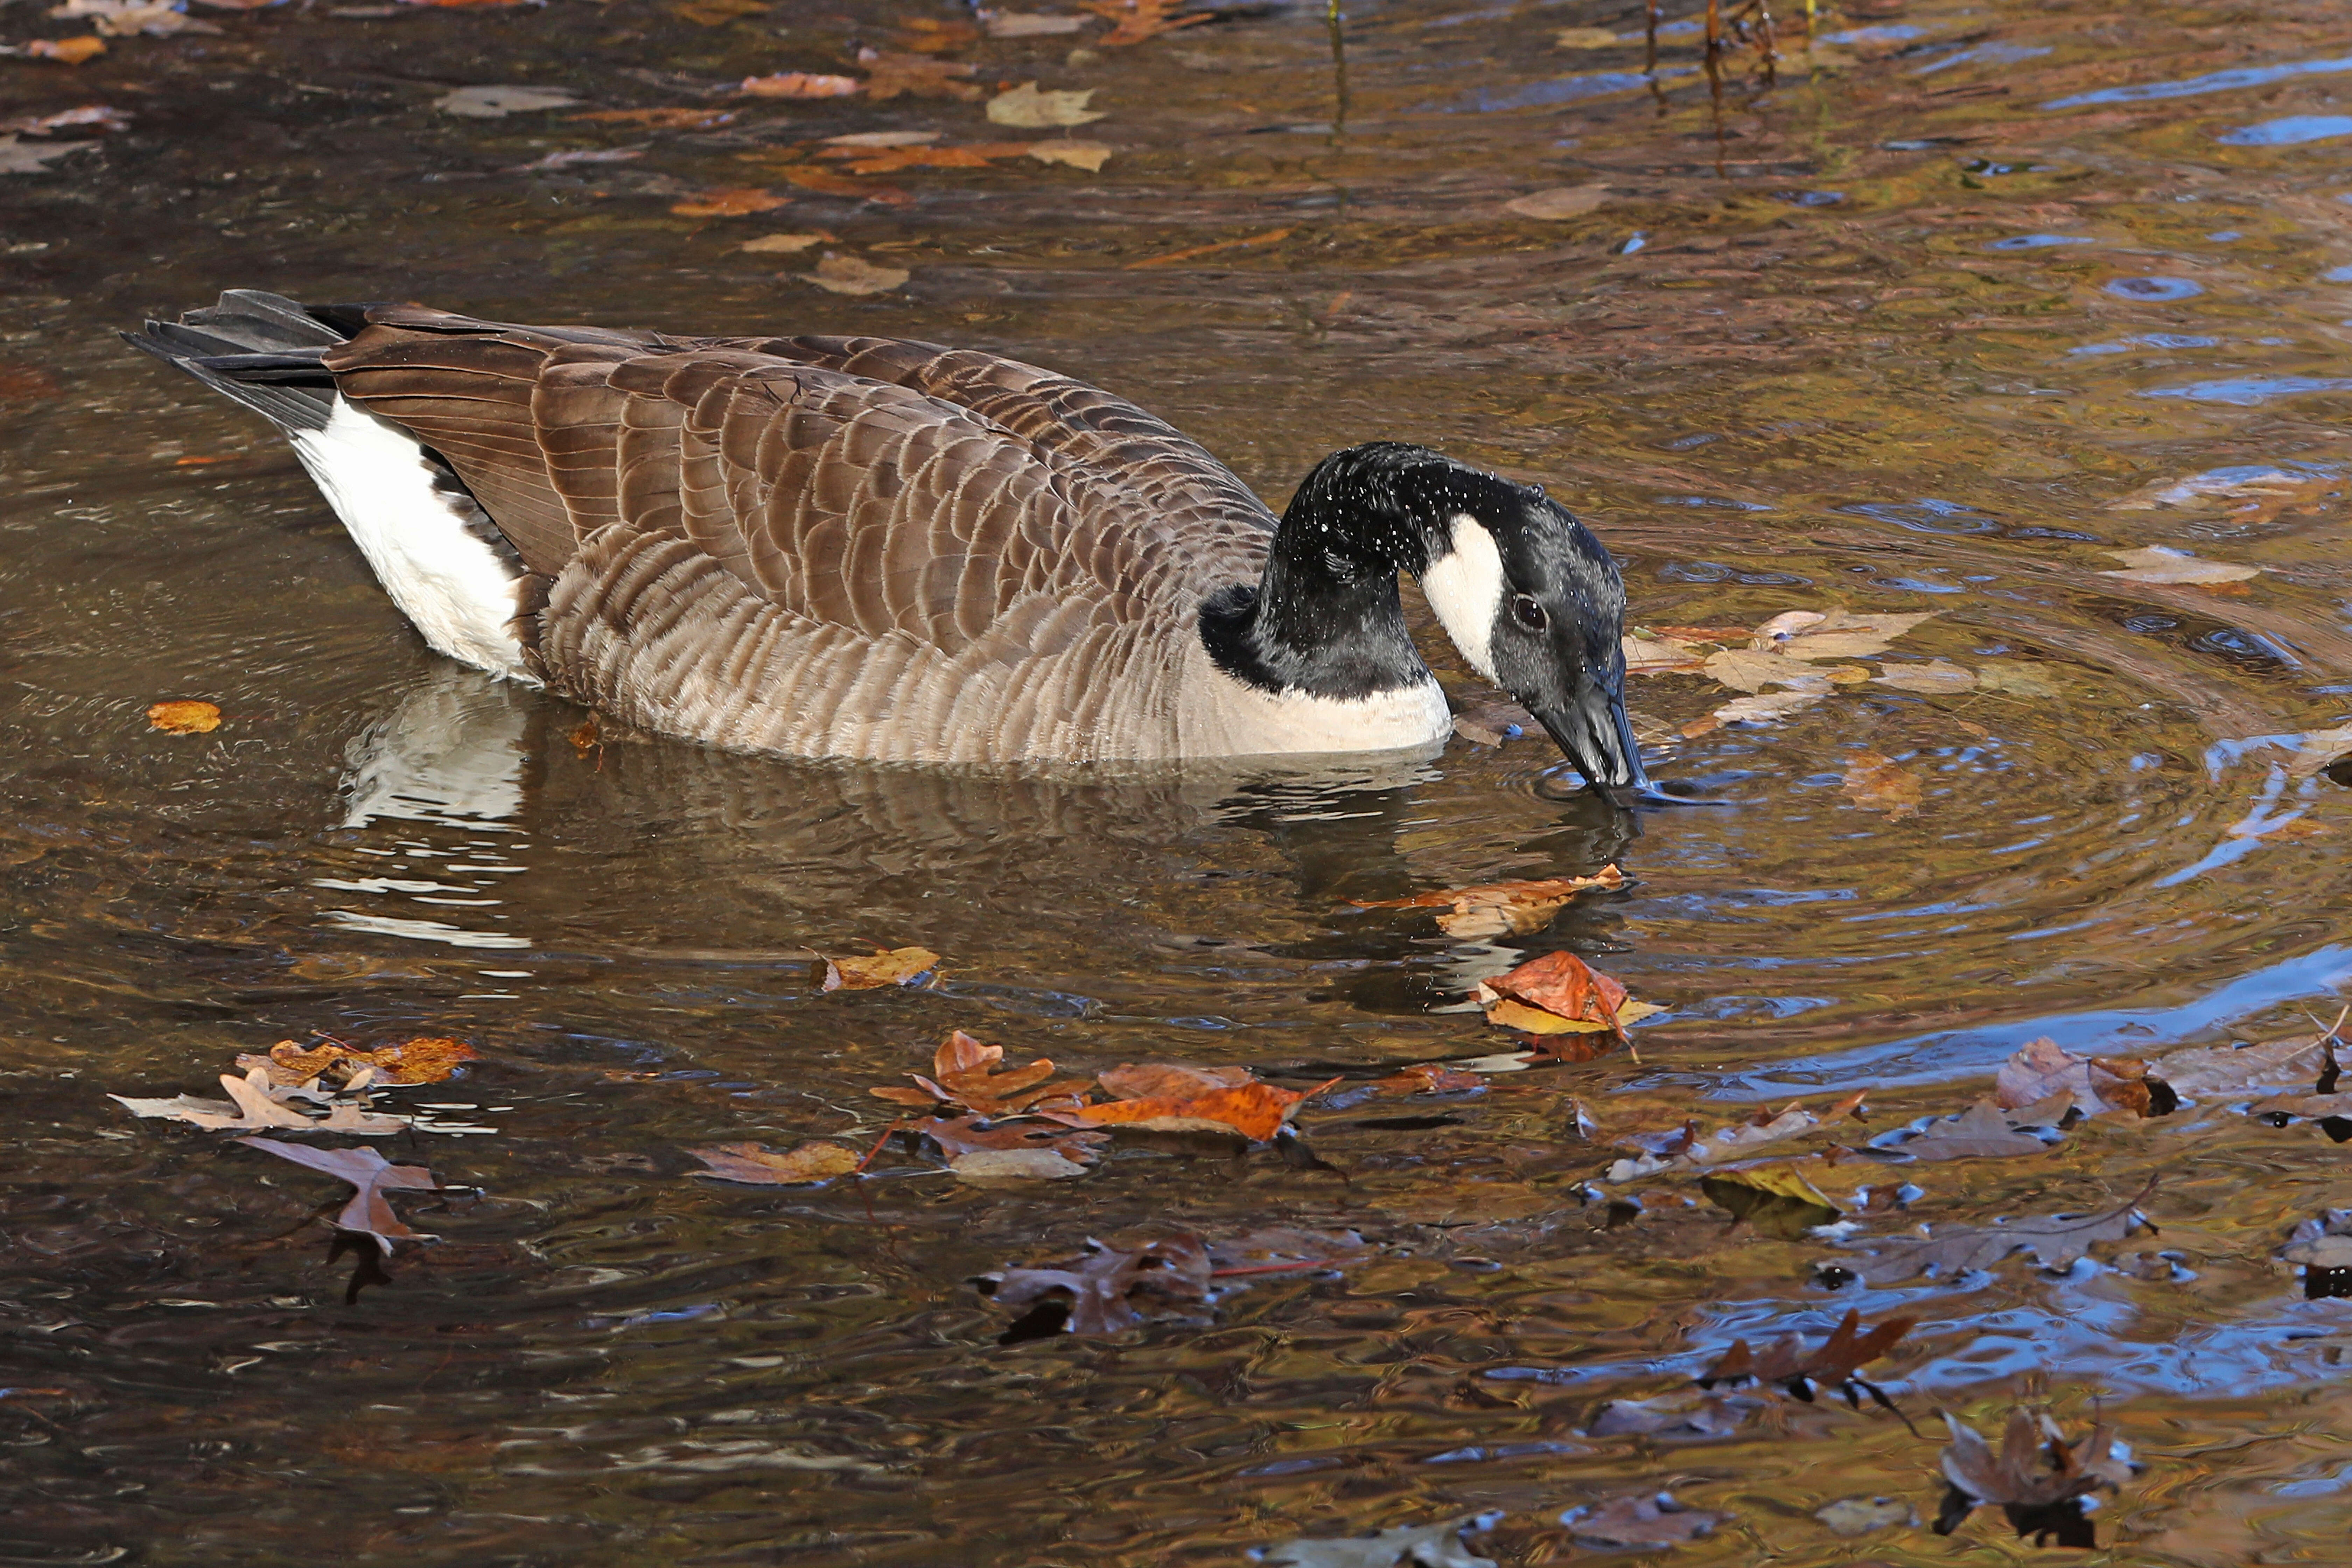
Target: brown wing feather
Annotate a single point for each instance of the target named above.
(836, 546)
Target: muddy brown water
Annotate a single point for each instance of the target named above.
(1973, 296)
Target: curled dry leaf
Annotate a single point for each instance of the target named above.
(2056, 1241)
(1633, 1523)
(1437, 1545)
(2095, 1085)
(1560, 202)
(840, 273)
(2038, 1478)
(1560, 994)
(185, 718)
(964, 1072)
(1104, 1290)
(1879, 784)
(799, 84)
(734, 201)
(368, 1212)
(756, 1165)
(896, 966)
(2176, 568)
(1029, 108)
(426, 1059)
(1494, 908)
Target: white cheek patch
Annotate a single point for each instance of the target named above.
(1465, 588)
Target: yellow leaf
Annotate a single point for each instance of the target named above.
(185, 718)
(755, 1166)
(1025, 106)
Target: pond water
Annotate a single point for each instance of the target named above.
(1970, 298)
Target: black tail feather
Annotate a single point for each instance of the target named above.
(263, 349)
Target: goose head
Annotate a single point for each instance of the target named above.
(1525, 590)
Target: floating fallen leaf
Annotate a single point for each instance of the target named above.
(799, 84)
(921, 155)
(1030, 24)
(1937, 677)
(2056, 1241)
(2095, 1085)
(1562, 986)
(662, 119)
(840, 273)
(1747, 670)
(426, 1059)
(498, 102)
(1583, 39)
(1684, 1415)
(1880, 784)
(1437, 1545)
(1423, 1077)
(1837, 1365)
(1016, 1165)
(1495, 908)
(833, 181)
(253, 1107)
(185, 718)
(368, 1212)
(1135, 21)
(964, 1071)
(96, 115)
(783, 244)
(1132, 1081)
(21, 157)
(964, 1139)
(931, 36)
(1776, 1199)
(1026, 106)
(1639, 1523)
(2038, 1478)
(577, 156)
(2318, 749)
(1981, 1132)
(1856, 1516)
(2322, 1248)
(2016, 677)
(733, 202)
(1256, 1110)
(755, 1166)
(897, 966)
(1561, 202)
(1688, 1150)
(892, 75)
(1761, 710)
(2293, 1066)
(1105, 1291)
(1840, 634)
(1087, 155)
(1654, 654)
(2176, 568)
(67, 51)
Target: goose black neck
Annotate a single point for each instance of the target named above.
(1325, 618)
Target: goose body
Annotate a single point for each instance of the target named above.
(864, 547)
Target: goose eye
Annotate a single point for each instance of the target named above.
(1527, 613)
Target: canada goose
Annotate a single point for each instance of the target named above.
(872, 548)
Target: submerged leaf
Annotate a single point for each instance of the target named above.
(840, 273)
(1937, 678)
(1777, 1199)
(1437, 1545)
(1879, 784)
(1105, 1291)
(2175, 568)
(2056, 1241)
